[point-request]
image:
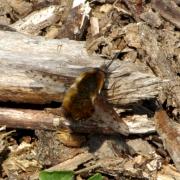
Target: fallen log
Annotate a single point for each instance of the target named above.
(36, 70)
(39, 71)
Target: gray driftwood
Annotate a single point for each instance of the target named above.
(37, 70)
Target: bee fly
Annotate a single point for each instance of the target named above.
(83, 101)
(78, 101)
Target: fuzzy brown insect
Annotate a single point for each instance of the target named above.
(78, 101)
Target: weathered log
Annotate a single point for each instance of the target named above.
(35, 70)
(40, 71)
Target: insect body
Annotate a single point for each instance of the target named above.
(79, 100)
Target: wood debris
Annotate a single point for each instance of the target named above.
(169, 10)
(132, 131)
(169, 132)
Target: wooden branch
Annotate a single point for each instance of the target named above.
(29, 119)
(38, 119)
(36, 70)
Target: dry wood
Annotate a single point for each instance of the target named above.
(169, 10)
(75, 25)
(34, 119)
(35, 70)
(151, 18)
(40, 71)
(21, 7)
(169, 132)
(37, 20)
(30, 119)
(48, 120)
(72, 164)
(159, 57)
(135, 8)
(168, 172)
(140, 124)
